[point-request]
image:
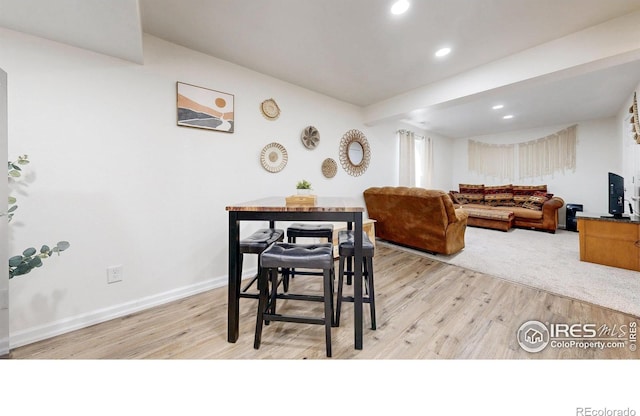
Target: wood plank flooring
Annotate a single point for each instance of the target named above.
(426, 310)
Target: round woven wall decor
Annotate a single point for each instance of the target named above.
(329, 168)
(270, 109)
(274, 157)
(310, 137)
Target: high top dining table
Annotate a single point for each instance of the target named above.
(272, 209)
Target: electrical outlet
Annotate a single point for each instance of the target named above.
(114, 274)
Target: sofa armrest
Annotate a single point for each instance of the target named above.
(461, 214)
(552, 205)
(550, 213)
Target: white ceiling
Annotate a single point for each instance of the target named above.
(356, 51)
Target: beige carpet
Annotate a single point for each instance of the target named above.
(547, 261)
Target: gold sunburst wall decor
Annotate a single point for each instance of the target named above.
(355, 153)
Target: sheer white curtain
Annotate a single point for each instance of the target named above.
(416, 156)
(407, 162)
(424, 161)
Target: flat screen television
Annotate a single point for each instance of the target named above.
(616, 195)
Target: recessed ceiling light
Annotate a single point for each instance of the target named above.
(443, 52)
(400, 7)
(498, 106)
(508, 116)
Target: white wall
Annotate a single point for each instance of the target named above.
(112, 173)
(598, 152)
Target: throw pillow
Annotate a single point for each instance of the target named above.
(536, 201)
(456, 198)
(521, 193)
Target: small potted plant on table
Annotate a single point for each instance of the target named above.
(303, 187)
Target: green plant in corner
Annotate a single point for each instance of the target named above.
(30, 258)
(303, 184)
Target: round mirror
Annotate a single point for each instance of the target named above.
(354, 152)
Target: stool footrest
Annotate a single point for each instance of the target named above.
(294, 296)
(249, 295)
(293, 318)
(352, 299)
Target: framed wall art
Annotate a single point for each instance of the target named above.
(203, 108)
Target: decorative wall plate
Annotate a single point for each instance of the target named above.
(354, 152)
(310, 137)
(270, 109)
(274, 157)
(329, 168)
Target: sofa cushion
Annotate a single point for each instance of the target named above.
(499, 195)
(466, 188)
(505, 200)
(471, 193)
(490, 214)
(524, 213)
(499, 189)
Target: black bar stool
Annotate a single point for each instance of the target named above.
(296, 230)
(256, 243)
(309, 230)
(346, 252)
(289, 255)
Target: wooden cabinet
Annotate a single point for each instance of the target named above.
(610, 242)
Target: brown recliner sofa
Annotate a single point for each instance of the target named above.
(416, 217)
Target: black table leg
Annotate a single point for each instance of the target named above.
(357, 279)
(233, 311)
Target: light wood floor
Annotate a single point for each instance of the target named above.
(426, 310)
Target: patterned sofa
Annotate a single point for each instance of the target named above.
(505, 206)
(416, 217)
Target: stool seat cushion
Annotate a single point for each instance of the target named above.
(257, 242)
(311, 256)
(345, 244)
(310, 230)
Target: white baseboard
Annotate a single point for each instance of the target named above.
(63, 326)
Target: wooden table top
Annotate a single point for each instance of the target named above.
(278, 204)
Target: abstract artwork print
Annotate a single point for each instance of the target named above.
(204, 108)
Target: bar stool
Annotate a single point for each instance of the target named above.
(289, 255)
(309, 230)
(296, 230)
(256, 243)
(346, 251)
